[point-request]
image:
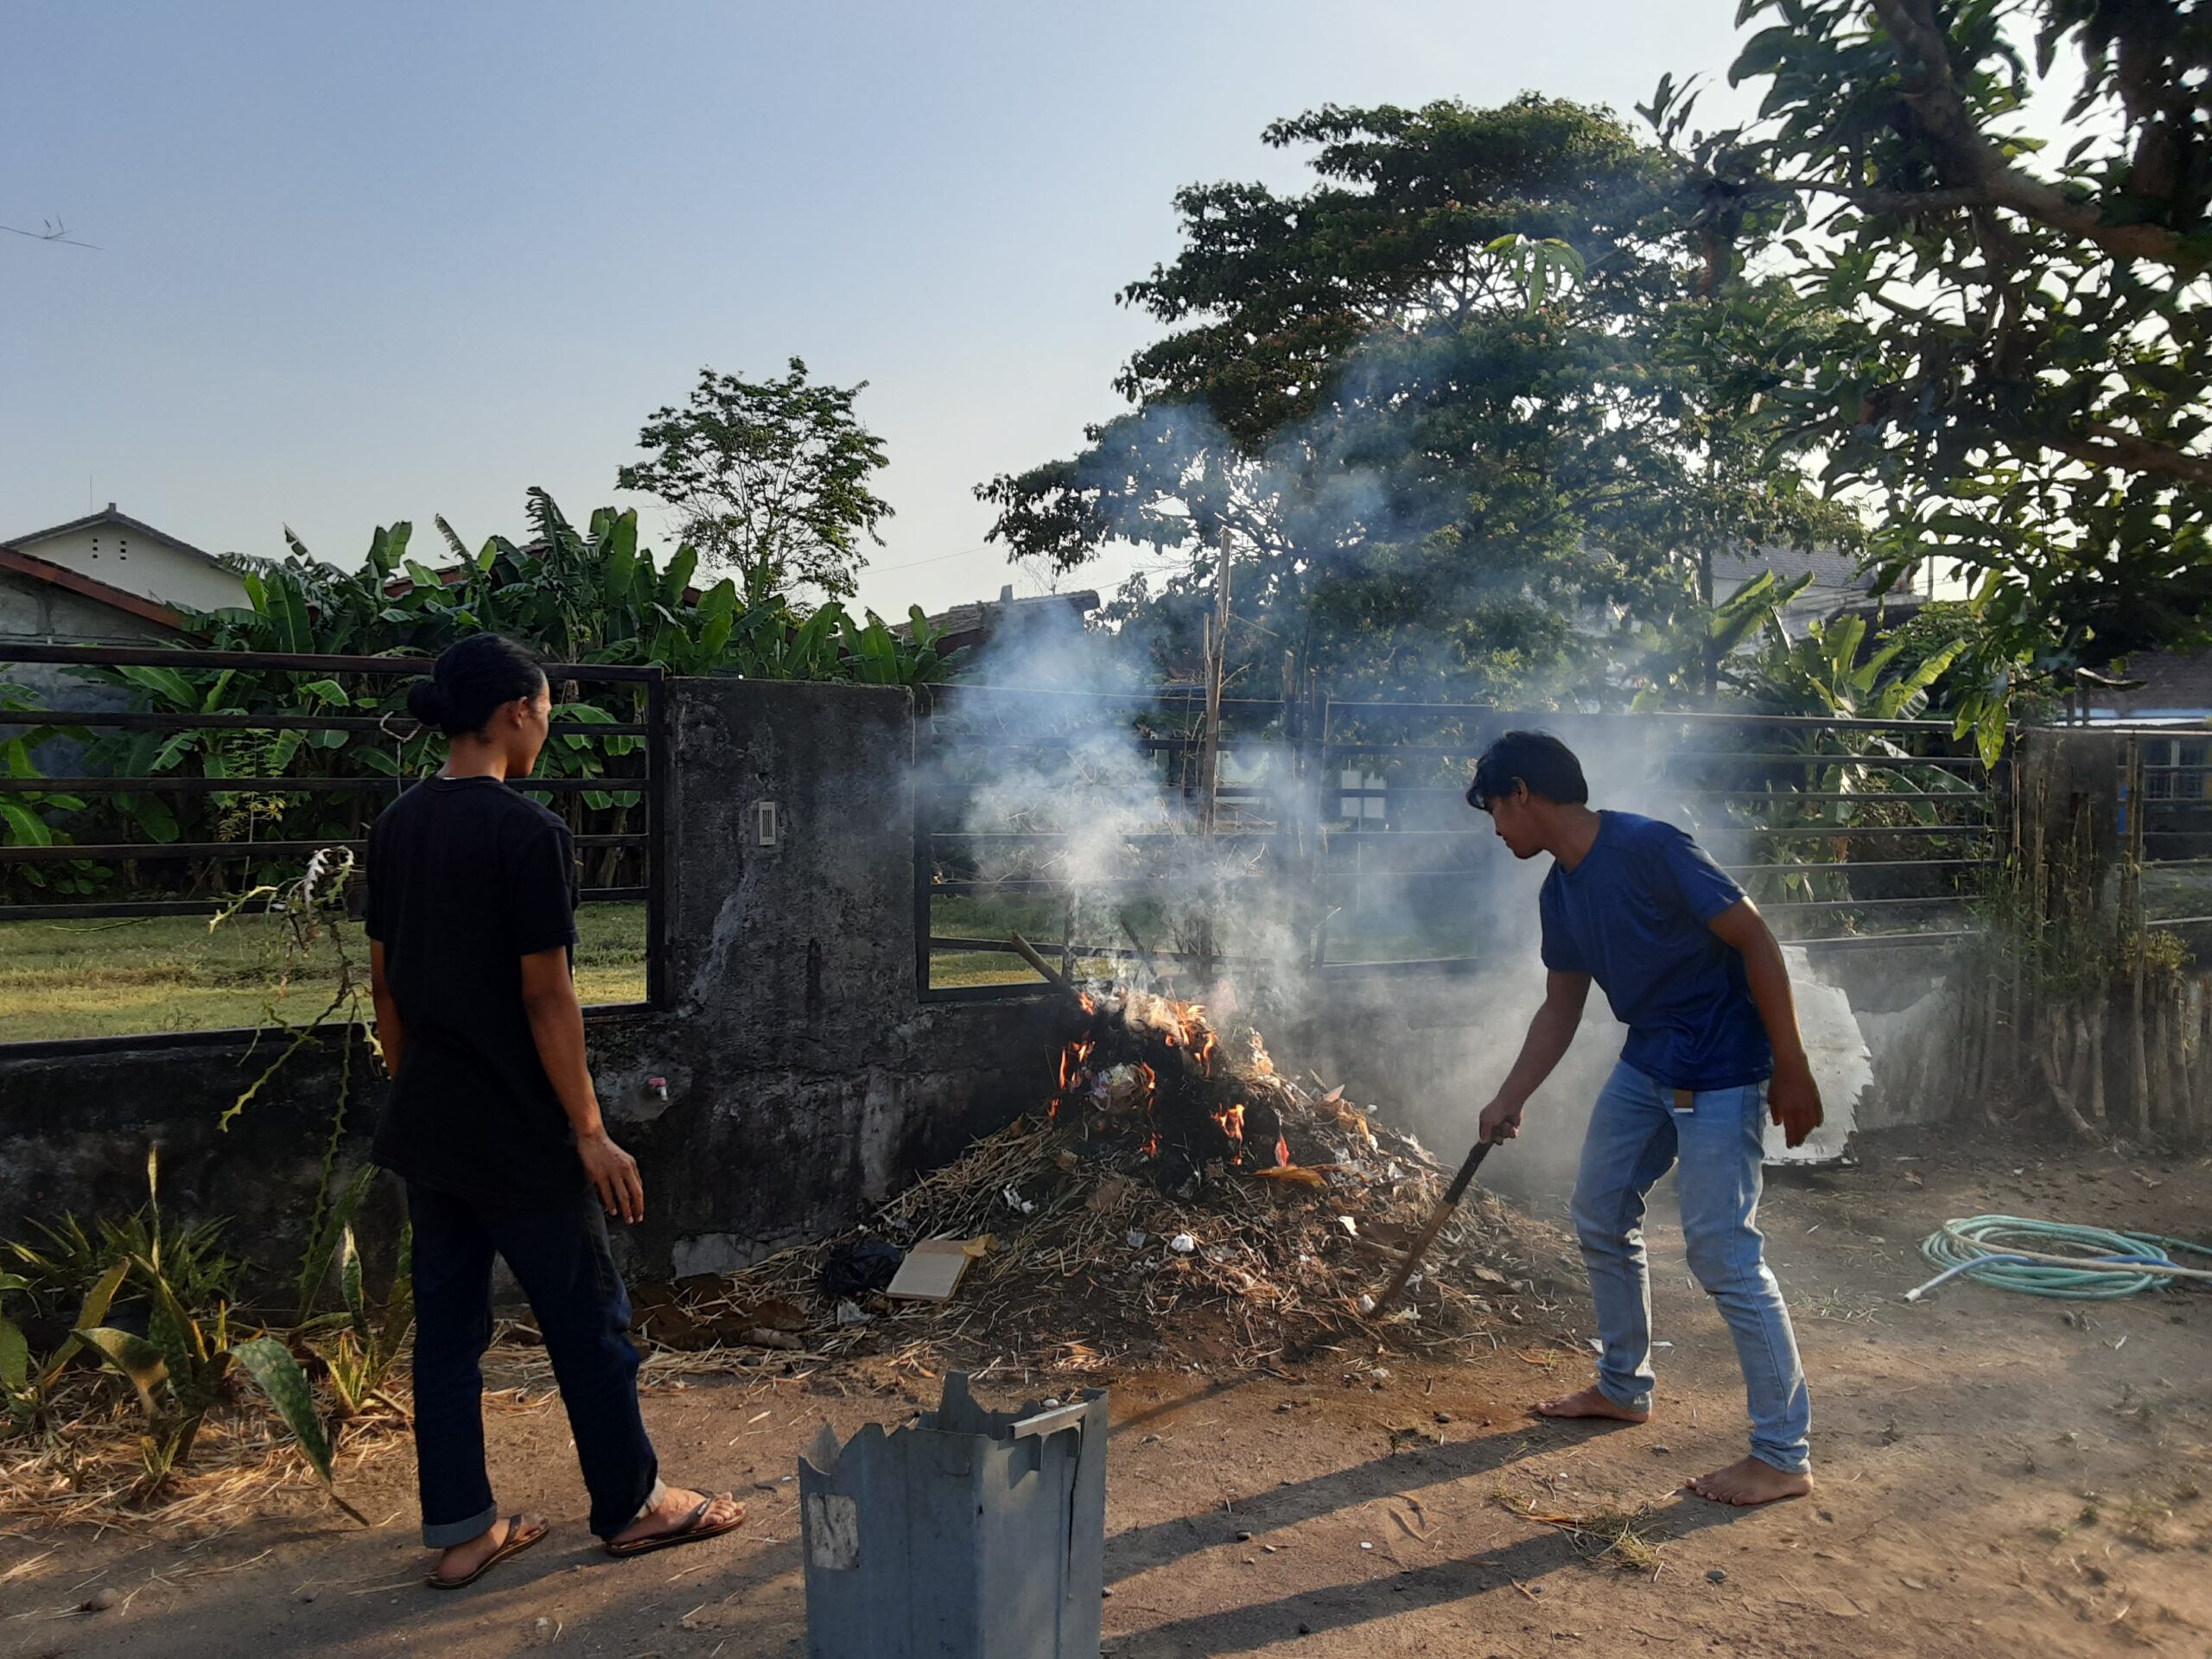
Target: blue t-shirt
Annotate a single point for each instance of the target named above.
(1633, 916)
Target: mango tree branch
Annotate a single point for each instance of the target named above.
(1933, 92)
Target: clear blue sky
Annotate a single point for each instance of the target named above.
(360, 264)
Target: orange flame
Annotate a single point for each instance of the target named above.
(1072, 1059)
(1282, 1152)
(1232, 1119)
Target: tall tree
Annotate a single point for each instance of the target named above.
(772, 477)
(1431, 416)
(2017, 374)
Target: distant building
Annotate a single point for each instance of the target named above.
(2158, 685)
(106, 580)
(1005, 619)
(123, 555)
(1837, 584)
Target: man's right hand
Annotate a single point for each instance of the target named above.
(1501, 1120)
(613, 1176)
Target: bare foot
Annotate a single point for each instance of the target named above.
(677, 1506)
(464, 1561)
(1589, 1402)
(1749, 1481)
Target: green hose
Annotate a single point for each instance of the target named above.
(2050, 1258)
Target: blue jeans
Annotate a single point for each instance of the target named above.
(559, 1254)
(1635, 1135)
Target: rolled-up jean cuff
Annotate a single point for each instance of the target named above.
(447, 1533)
(1634, 1402)
(659, 1492)
(1797, 1467)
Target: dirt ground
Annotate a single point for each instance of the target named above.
(1997, 1475)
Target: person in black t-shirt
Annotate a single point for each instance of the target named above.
(494, 1123)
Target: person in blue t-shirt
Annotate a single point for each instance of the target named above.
(1690, 968)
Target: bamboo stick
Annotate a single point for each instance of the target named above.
(2140, 1075)
(2053, 1065)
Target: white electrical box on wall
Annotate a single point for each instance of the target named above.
(768, 825)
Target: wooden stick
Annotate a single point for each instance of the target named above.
(1028, 953)
(1143, 955)
(1419, 1248)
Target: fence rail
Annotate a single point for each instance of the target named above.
(602, 769)
(1350, 812)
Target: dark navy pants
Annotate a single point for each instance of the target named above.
(559, 1254)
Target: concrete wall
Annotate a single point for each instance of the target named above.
(144, 565)
(806, 1079)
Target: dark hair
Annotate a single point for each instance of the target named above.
(1537, 758)
(481, 673)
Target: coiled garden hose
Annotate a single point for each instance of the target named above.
(2050, 1258)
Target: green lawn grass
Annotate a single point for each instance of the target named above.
(170, 973)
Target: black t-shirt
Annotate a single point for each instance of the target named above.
(466, 878)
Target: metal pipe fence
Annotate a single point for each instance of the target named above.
(333, 748)
(1346, 823)
(2164, 825)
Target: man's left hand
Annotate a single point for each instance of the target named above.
(1793, 1099)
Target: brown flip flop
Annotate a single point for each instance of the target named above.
(518, 1540)
(692, 1529)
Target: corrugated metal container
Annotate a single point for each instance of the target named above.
(973, 1534)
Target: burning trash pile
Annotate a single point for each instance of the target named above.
(1177, 1200)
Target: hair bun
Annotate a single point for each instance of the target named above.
(427, 702)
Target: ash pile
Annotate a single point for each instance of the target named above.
(1177, 1201)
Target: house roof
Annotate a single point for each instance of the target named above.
(1827, 568)
(973, 623)
(123, 520)
(29, 564)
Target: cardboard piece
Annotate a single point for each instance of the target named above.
(932, 1268)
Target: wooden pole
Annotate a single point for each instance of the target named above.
(1027, 952)
(1428, 1236)
(1216, 671)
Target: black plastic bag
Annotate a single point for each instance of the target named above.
(865, 1264)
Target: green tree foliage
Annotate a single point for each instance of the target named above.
(1444, 410)
(2014, 371)
(772, 477)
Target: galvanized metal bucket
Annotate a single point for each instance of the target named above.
(972, 1535)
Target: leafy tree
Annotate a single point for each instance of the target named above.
(2015, 373)
(1437, 416)
(772, 477)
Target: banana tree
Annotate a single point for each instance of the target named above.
(593, 595)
